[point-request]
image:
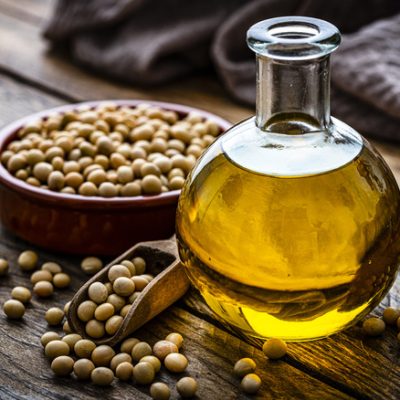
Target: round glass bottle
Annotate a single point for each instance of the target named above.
(289, 224)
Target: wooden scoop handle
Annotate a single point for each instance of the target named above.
(170, 283)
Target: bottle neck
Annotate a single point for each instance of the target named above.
(293, 97)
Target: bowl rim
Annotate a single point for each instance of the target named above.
(77, 200)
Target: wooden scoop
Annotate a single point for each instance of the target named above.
(170, 283)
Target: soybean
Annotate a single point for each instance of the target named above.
(86, 310)
(3, 267)
(118, 271)
(22, 294)
(164, 347)
(83, 368)
(14, 309)
(124, 286)
(113, 324)
(251, 383)
(47, 337)
(243, 367)
(373, 326)
(102, 355)
(56, 348)
(62, 365)
(176, 362)
(104, 311)
(61, 280)
(27, 260)
(51, 267)
(102, 376)
(176, 339)
(160, 391)
(140, 350)
(187, 387)
(143, 373)
(274, 348)
(95, 329)
(91, 265)
(43, 289)
(41, 275)
(124, 371)
(54, 316)
(98, 292)
(71, 339)
(391, 315)
(128, 344)
(118, 359)
(154, 361)
(83, 348)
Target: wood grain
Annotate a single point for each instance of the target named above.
(211, 350)
(25, 373)
(361, 366)
(350, 377)
(346, 365)
(321, 361)
(29, 58)
(18, 100)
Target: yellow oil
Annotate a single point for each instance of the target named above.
(298, 257)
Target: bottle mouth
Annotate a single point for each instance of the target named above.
(293, 38)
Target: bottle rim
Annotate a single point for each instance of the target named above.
(293, 38)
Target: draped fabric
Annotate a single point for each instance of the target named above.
(149, 42)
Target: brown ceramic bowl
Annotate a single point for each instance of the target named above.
(86, 225)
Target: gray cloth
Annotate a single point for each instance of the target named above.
(149, 42)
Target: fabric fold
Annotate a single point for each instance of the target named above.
(149, 42)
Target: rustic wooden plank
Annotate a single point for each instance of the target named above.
(365, 367)
(369, 365)
(19, 97)
(29, 58)
(22, 67)
(18, 100)
(211, 351)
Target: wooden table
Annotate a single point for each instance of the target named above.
(343, 366)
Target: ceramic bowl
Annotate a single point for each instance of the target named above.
(77, 224)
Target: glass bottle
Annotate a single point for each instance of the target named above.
(289, 224)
